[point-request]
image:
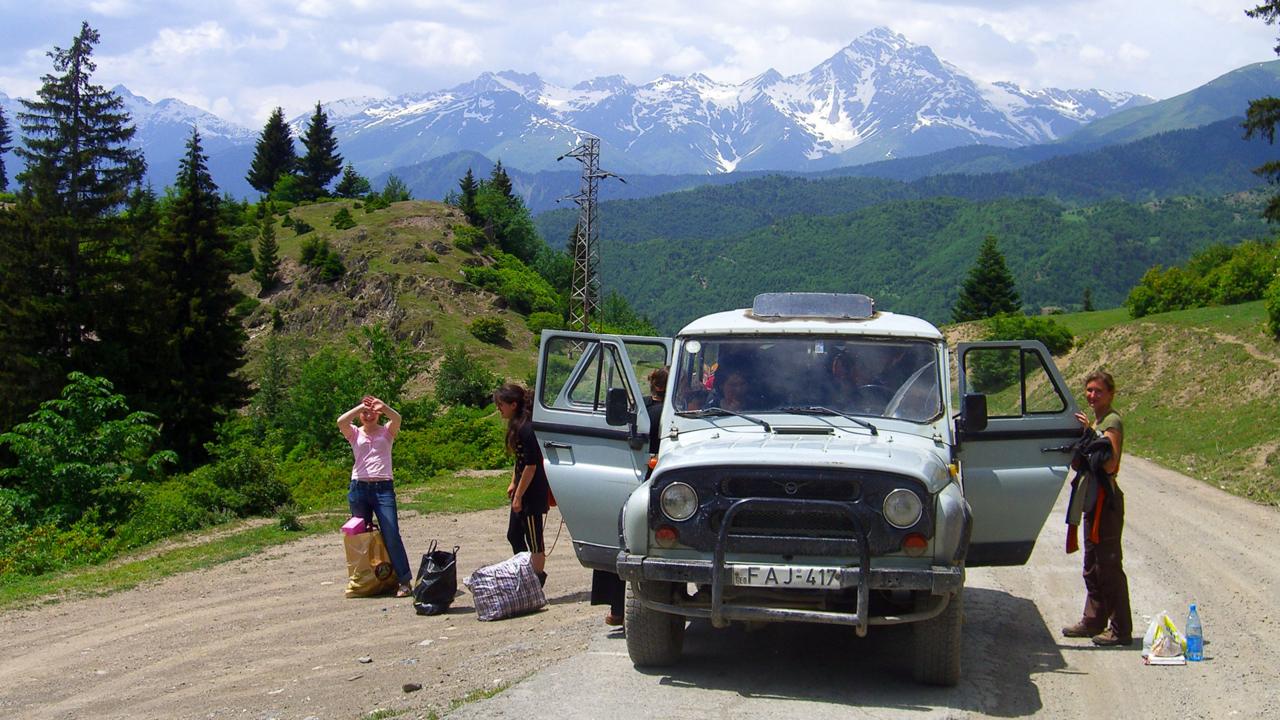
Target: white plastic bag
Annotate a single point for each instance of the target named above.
(1162, 638)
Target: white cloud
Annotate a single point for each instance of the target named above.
(416, 44)
(206, 36)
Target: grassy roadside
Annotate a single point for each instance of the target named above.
(458, 492)
(1196, 388)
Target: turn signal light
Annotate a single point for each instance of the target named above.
(653, 461)
(915, 544)
(666, 536)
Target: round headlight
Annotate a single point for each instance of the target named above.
(679, 501)
(902, 508)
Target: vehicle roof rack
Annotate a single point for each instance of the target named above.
(831, 306)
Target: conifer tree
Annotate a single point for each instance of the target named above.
(266, 267)
(989, 289)
(467, 200)
(5, 138)
(79, 172)
(274, 154)
(1264, 114)
(206, 339)
(500, 181)
(352, 184)
(321, 163)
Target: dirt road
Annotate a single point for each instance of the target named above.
(272, 637)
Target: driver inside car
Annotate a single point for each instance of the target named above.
(851, 390)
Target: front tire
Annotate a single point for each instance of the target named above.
(937, 645)
(654, 639)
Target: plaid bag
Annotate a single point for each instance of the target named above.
(506, 589)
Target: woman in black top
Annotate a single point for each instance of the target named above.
(528, 490)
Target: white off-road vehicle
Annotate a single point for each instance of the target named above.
(812, 468)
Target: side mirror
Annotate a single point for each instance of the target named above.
(973, 412)
(617, 407)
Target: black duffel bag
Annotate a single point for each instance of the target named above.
(437, 581)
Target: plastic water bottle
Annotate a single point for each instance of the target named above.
(1195, 636)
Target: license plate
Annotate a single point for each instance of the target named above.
(792, 576)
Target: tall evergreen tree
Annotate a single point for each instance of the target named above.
(5, 138)
(352, 184)
(274, 154)
(79, 171)
(989, 289)
(321, 163)
(1264, 114)
(266, 267)
(500, 181)
(467, 200)
(207, 342)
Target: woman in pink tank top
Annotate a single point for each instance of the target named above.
(372, 491)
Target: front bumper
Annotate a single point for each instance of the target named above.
(938, 581)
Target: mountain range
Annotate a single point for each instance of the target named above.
(880, 97)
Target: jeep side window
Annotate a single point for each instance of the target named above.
(1015, 381)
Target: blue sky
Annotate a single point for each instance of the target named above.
(241, 58)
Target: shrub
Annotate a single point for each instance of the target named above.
(328, 384)
(287, 221)
(489, 329)
(463, 437)
(241, 254)
(245, 305)
(314, 483)
(524, 290)
(342, 219)
(467, 238)
(320, 256)
(302, 227)
(1015, 326)
(463, 380)
(242, 479)
(288, 518)
(166, 509)
(1271, 301)
(374, 202)
(539, 321)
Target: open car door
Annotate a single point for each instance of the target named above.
(1013, 468)
(593, 467)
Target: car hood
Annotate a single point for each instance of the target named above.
(888, 452)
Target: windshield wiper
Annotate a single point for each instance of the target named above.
(720, 412)
(819, 410)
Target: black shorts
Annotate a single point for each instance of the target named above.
(524, 532)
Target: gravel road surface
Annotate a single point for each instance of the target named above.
(272, 637)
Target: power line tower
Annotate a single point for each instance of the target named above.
(584, 291)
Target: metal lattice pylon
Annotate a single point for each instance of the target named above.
(584, 292)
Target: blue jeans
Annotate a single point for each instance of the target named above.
(378, 498)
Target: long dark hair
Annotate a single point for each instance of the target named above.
(517, 395)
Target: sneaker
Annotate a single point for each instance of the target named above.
(1079, 630)
(1109, 638)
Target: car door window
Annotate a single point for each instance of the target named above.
(1015, 381)
(579, 374)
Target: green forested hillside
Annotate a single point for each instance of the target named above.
(911, 255)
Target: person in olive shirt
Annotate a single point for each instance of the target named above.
(529, 490)
(1107, 617)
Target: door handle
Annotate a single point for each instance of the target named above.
(553, 445)
(1059, 448)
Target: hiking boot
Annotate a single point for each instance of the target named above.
(1079, 630)
(1109, 638)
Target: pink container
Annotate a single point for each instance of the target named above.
(354, 526)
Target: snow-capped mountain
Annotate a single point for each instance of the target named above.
(880, 97)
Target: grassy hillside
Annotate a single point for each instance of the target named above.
(1197, 390)
(403, 272)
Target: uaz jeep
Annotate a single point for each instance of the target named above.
(812, 468)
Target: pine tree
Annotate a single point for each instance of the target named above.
(266, 267)
(274, 155)
(1087, 301)
(352, 184)
(79, 172)
(5, 138)
(206, 339)
(467, 201)
(1264, 114)
(989, 289)
(500, 181)
(321, 163)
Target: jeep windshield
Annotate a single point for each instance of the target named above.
(854, 376)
